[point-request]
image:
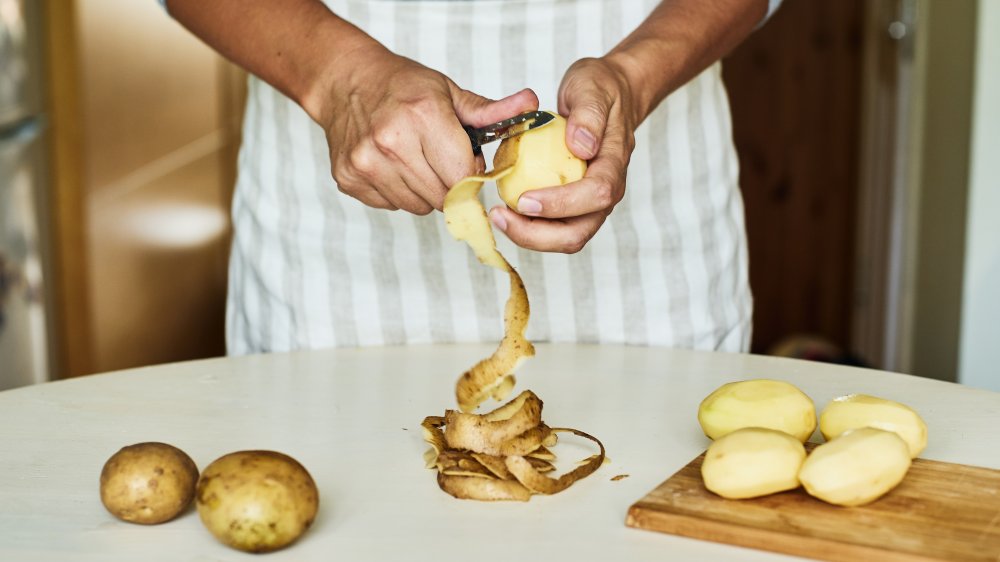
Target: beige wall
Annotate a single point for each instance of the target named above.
(937, 193)
(156, 141)
(980, 335)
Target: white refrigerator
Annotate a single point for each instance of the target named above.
(24, 318)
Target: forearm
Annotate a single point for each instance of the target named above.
(294, 45)
(679, 40)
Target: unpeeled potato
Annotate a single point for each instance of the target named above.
(257, 501)
(540, 158)
(857, 467)
(752, 462)
(148, 483)
(758, 403)
(859, 410)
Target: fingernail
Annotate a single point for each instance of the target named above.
(529, 206)
(498, 220)
(585, 141)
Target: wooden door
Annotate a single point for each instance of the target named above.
(795, 90)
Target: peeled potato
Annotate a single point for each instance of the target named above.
(859, 410)
(857, 467)
(752, 462)
(257, 501)
(758, 403)
(540, 158)
(148, 483)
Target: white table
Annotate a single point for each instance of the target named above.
(352, 418)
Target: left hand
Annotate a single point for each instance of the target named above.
(601, 111)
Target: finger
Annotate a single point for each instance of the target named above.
(414, 185)
(567, 236)
(445, 146)
(369, 197)
(378, 165)
(601, 189)
(385, 179)
(353, 186)
(423, 181)
(587, 107)
(373, 199)
(473, 109)
(406, 155)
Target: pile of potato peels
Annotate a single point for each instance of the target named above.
(504, 454)
(501, 455)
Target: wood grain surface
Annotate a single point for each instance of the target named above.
(941, 511)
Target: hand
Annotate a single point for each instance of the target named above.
(597, 99)
(394, 128)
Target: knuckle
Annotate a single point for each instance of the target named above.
(422, 209)
(573, 247)
(423, 106)
(593, 108)
(362, 160)
(387, 138)
(574, 243)
(604, 195)
(343, 180)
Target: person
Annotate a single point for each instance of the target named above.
(356, 107)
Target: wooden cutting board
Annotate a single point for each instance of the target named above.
(941, 511)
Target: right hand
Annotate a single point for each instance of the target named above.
(394, 128)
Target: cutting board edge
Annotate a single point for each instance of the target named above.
(761, 539)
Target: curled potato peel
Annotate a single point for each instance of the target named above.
(503, 455)
(479, 433)
(466, 219)
(532, 479)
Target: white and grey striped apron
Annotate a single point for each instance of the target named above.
(313, 268)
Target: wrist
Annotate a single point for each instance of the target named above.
(336, 63)
(639, 81)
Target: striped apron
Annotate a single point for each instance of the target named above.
(313, 268)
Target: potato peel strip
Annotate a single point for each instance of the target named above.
(466, 220)
(537, 482)
(503, 454)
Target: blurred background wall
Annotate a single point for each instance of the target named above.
(868, 138)
(144, 124)
(980, 339)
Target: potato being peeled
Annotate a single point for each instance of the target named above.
(856, 468)
(859, 410)
(752, 462)
(257, 501)
(758, 403)
(148, 483)
(540, 159)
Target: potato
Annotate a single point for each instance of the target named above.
(148, 483)
(752, 462)
(859, 410)
(542, 160)
(857, 467)
(256, 501)
(757, 403)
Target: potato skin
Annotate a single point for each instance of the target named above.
(148, 483)
(256, 501)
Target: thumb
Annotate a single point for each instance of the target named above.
(473, 109)
(588, 117)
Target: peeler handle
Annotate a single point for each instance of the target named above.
(471, 131)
